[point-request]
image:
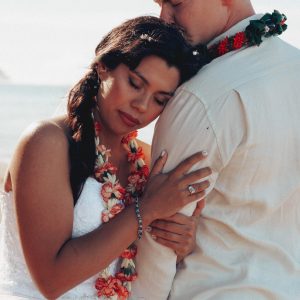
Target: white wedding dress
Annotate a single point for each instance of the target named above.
(15, 279)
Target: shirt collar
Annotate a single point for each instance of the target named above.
(240, 26)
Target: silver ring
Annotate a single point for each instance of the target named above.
(191, 189)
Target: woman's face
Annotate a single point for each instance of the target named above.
(131, 99)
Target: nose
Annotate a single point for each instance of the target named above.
(166, 13)
(141, 103)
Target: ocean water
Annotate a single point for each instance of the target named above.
(20, 105)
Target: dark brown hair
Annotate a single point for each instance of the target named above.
(126, 44)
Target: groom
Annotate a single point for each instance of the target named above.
(244, 109)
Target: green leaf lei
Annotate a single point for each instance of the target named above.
(269, 25)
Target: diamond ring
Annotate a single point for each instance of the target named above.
(191, 189)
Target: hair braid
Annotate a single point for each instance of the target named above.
(82, 145)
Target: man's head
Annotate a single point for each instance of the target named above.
(203, 20)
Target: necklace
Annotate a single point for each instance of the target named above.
(115, 199)
(268, 25)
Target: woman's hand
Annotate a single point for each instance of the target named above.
(178, 232)
(166, 194)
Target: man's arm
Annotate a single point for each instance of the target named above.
(186, 126)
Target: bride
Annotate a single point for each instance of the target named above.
(76, 193)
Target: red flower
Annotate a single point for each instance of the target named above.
(122, 292)
(123, 277)
(106, 167)
(239, 40)
(145, 171)
(223, 46)
(133, 157)
(97, 128)
(129, 253)
(132, 135)
(107, 287)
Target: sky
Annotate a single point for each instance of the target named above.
(45, 42)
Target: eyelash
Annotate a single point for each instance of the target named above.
(159, 102)
(136, 87)
(176, 5)
(131, 82)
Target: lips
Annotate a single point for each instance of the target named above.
(128, 119)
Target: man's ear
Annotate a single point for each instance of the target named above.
(101, 70)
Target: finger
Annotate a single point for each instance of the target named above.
(185, 165)
(195, 176)
(194, 197)
(170, 227)
(198, 187)
(169, 244)
(159, 164)
(179, 249)
(173, 237)
(198, 210)
(177, 218)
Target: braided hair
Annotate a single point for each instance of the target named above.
(126, 44)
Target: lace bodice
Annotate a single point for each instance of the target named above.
(14, 275)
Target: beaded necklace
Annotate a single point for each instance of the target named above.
(115, 199)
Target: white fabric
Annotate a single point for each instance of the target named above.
(15, 279)
(244, 109)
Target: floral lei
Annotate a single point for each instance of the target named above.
(268, 25)
(115, 199)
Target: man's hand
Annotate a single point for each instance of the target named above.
(178, 232)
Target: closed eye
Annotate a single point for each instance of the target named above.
(176, 3)
(133, 83)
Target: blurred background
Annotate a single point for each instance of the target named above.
(46, 46)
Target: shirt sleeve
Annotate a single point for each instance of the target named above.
(187, 125)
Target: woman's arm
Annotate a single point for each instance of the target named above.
(177, 232)
(44, 206)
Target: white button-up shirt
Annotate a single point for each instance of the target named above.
(244, 109)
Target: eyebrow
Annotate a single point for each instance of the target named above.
(146, 82)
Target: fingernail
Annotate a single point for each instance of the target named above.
(163, 153)
(153, 236)
(204, 153)
(148, 228)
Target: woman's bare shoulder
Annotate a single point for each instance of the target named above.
(41, 144)
(147, 151)
(43, 135)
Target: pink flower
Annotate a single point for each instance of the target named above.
(109, 191)
(116, 209)
(105, 216)
(100, 172)
(106, 191)
(104, 151)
